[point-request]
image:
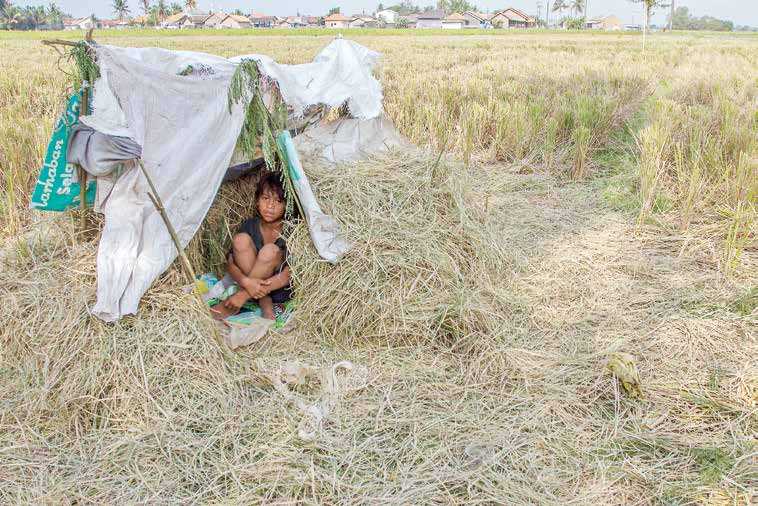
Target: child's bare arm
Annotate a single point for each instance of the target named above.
(235, 272)
(279, 280)
(254, 288)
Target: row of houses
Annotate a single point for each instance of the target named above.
(88, 22)
(433, 19)
(507, 18)
(199, 19)
(84, 23)
(190, 19)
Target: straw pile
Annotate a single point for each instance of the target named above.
(482, 308)
(423, 261)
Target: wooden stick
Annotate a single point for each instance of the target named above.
(59, 42)
(158, 203)
(188, 270)
(81, 172)
(62, 42)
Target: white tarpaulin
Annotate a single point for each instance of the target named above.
(340, 73)
(324, 230)
(347, 139)
(187, 133)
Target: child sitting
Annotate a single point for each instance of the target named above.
(258, 259)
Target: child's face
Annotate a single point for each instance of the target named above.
(270, 206)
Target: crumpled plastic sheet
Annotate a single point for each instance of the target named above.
(332, 388)
(238, 336)
(349, 139)
(340, 73)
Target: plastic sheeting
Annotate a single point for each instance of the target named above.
(174, 105)
(340, 73)
(331, 389)
(324, 230)
(348, 139)
(176, 122)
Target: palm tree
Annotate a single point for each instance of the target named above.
(120, 8)
(145, 4)
(647, 7)
(54, 14)
(11, 15)
(577, 6)
(35, 15)
(190, 4)
(161, 10)
(559, 6)
(175, 8)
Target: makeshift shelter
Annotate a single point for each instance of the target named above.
(166, 125)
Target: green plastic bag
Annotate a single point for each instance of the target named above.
(55, 189)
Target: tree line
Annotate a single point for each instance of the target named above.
(575, 7)
(683, 20)
(34, 17)
(449, 6)
(30, 17)
(154, 12)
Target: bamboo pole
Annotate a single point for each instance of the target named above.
(58, 42)
(82, 174)
(158, 203)
(188, 270)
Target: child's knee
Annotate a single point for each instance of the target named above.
(270, 254)
(242, 242)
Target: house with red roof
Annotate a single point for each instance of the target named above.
(337, 20)
(512, 18)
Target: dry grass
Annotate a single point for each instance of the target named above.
(482, 301)
(699, 154)
(424, 247)
(486, 379)
(515, 102)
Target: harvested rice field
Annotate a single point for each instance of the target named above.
(575, 210)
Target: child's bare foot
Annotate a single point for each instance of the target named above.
(221, 312)
(268, 314)
(237, 300)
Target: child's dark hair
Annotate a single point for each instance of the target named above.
(269, 181)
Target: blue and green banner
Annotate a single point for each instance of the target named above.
(55, 189)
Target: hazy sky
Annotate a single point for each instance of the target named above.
(742, 12)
